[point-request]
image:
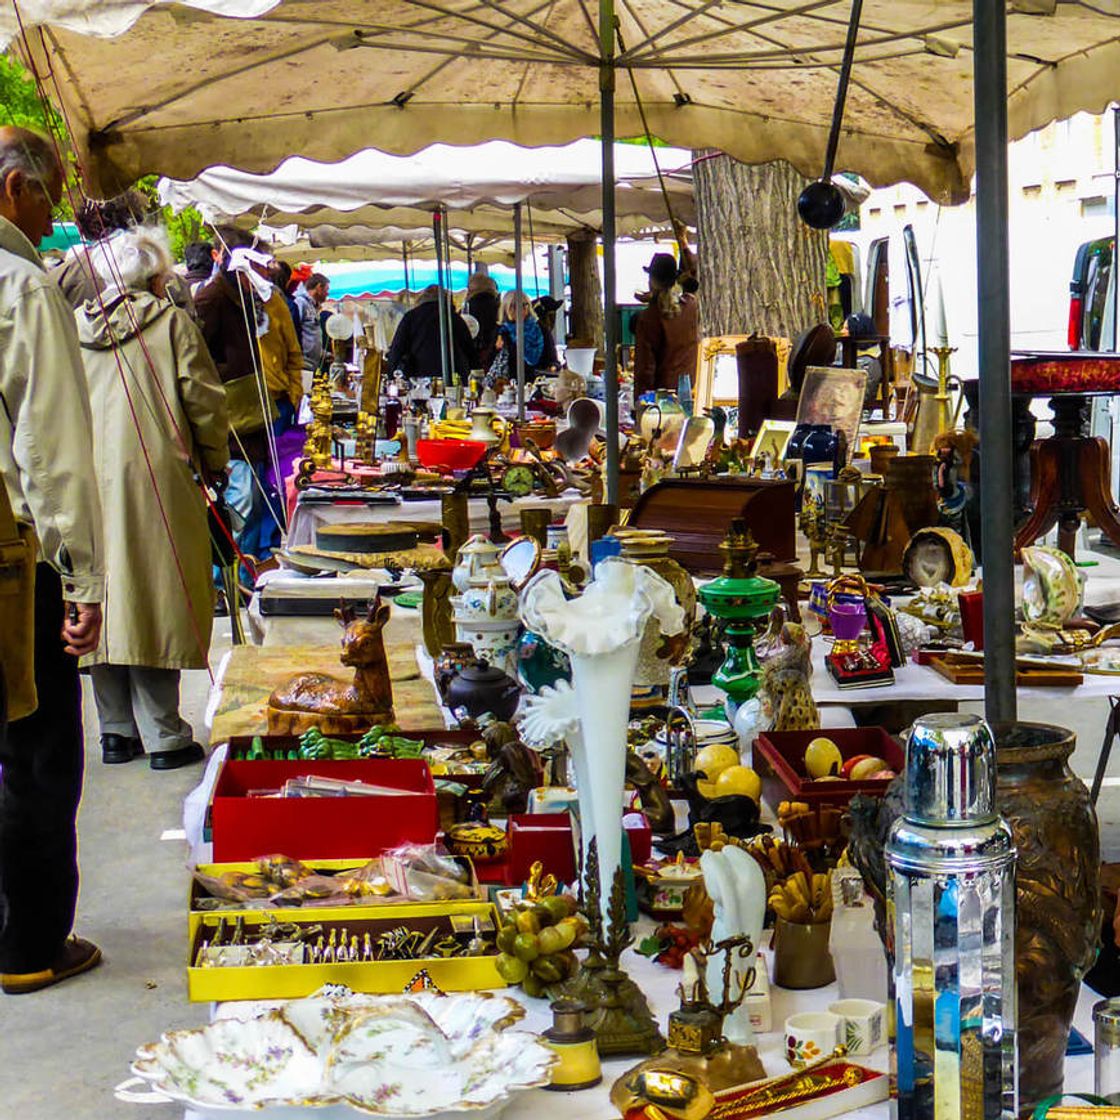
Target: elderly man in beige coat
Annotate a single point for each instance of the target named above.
(159, 422)
(46, 465)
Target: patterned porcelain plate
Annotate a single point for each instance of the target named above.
(423, 1055)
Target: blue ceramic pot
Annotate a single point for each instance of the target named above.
(821, 445)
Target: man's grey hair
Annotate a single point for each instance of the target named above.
(27, 151)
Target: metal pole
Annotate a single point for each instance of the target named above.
(556, 289)
(519, 318)
(1115, 224)
(449, 284)
(989, 62)
(444, 353)
(610, 325)
(404, 261)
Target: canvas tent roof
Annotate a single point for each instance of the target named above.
(181, 89)
(562, 184)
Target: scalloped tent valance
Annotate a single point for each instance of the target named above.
(177, 87)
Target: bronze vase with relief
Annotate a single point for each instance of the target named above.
(1057, 883)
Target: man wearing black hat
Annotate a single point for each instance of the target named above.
(667, 333)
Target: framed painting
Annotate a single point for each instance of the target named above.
(833, 396)
(772, 439)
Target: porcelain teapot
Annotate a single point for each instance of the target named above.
(477, 563)
(486, 616)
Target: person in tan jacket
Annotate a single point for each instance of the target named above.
(159, 425)
(46, 467)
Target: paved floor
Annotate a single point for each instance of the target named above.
(63, 1050)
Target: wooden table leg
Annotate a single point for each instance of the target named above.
(1045, 493)
(1095, 479)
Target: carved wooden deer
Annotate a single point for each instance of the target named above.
(332, 705)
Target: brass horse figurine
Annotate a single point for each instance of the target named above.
(332, 705)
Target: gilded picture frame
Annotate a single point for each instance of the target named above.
(717, 373)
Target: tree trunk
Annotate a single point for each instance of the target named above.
(585, 325)
(761, 268)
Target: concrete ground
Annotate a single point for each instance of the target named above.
(63, 1050)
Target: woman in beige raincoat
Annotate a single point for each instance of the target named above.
(159, 418)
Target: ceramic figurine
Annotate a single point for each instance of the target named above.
(737, 887)
(333, 706)
(656, 805)
(513, 771)
(601, 632)
(1052, 586)
(787, 670)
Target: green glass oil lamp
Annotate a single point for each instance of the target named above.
(743, 600)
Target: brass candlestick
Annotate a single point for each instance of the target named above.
(935, 413)
(620, 1015)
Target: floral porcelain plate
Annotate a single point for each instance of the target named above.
(422, 1055)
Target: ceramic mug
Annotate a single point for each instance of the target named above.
(861, 1024)
(811, 1035)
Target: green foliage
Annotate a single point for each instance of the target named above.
(182, 228)
(19, 100)
(21, 105)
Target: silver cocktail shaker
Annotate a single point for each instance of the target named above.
(951, 892)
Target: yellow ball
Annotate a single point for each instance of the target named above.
(739, 780)
(822, 757)
(714, 759)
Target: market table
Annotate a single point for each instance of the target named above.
(310, 516)
(659, 984)
(248, 674)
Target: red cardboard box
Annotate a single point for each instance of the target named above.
(245, 826)
(541, 836)
(779, 759)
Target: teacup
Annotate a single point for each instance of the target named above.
(811, 1035)
(861, 1024)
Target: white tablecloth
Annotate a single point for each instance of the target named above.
(309, 516)
(920, 682)
(659, 985)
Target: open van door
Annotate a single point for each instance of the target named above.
(895, 292)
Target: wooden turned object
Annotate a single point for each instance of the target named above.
(1070, 475)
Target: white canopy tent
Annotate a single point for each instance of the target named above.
(936, 90)
(180, 89)
(562, 184)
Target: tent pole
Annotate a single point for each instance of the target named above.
(610, 325)
(519, 318)
(449, 304)
(443, 325)
(470, 256)
(556, 290)
(404, 261)
(989, 61)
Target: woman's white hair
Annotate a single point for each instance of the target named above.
(509, 306)
(131, 259)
